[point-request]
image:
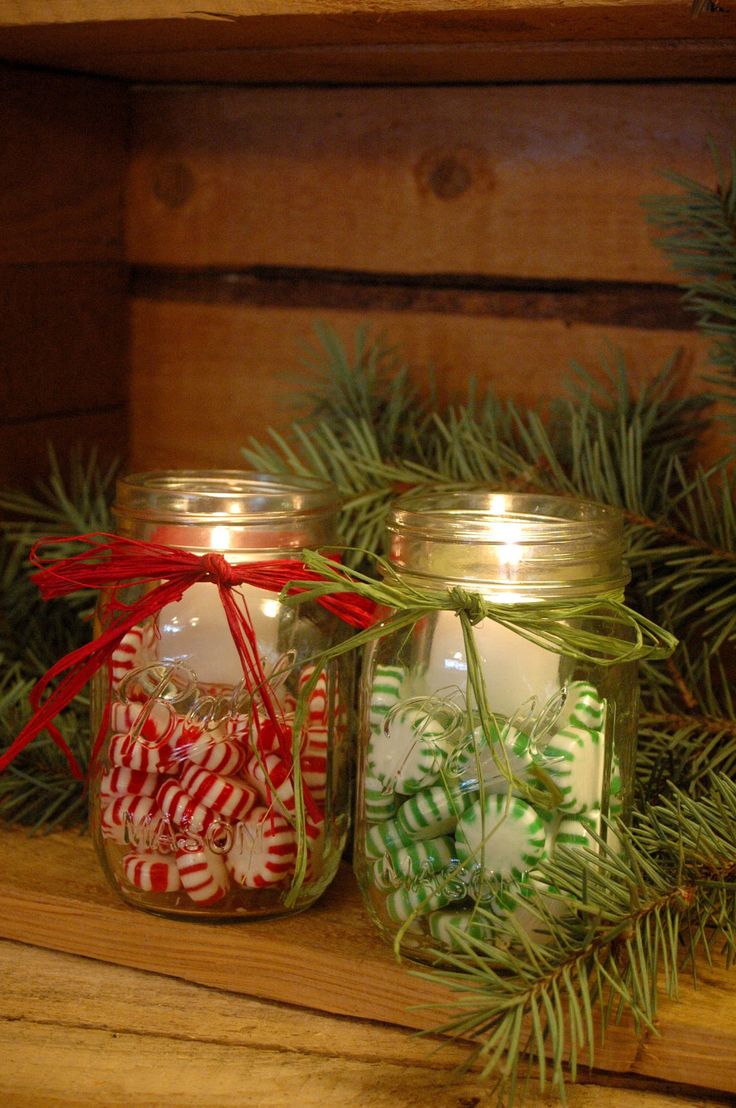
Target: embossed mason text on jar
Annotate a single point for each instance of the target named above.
(221, 786)
(481, 759)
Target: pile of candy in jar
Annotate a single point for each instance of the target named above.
(195, 811)
(445, 832)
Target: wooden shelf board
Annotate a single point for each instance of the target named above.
(329, 959)
(388, 41)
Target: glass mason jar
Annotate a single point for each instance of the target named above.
(452, 815)
(195, 791)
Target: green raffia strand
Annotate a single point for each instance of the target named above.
(547, 624)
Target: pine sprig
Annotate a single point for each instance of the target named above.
(37, 789)
(612, 935)
(697, 230)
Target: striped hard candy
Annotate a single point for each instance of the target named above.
(264, 851)
(182, 809)
(137, 820)
(576, 832)
(135, 649)
(229, 797)
(203, 874)
(574, 760)
(314, 775)
(132, 753)
(449, 926)
(583, 707)
(410, 750)
(318, 703)
(273, 779)
(502, 834)
(419, 897)
(152, 721)
(212, 751)
(379, 801)
(120, 781)
(385, 693)
(495, 764)
(408, 861)
(383, 836)
(431, 813)
(152, 873)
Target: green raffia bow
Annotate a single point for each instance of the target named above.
(562, 626)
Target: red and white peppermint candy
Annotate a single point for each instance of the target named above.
(182, 809)
(317, 705)
(228, 796)
(155, 726)
(213, 752)
(133, 819)
(133, 753)
(121, 781)
(135, 649)
(273, 779)
(264, 851)
(183, 736)
(203, 875)
(152, 873)
(316, 740)
(314, 774)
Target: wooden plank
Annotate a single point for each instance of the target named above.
(205, 377)
(63, 337)
(520, 182)
(436, 40)
(63, 142)
(24, 445)
(328, 959)
(102, 1031)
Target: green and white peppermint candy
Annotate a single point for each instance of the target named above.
(501, 833)
(380, 801)
(574, 760)
(444, 926)
(577, 832)
(385, 836)
(430, 813)
(416, 860)
(494, 764)
(408, 753)
(426, 896)
(385, 693)
(583, 707)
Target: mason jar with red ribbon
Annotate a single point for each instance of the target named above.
(219, 782)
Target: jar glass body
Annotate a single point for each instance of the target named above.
(203, 802)
(456, 807)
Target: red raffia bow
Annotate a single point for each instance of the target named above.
(111, 562)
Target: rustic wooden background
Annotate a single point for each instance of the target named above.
(165, 249)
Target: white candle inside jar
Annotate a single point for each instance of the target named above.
(518, 673)
(195, 632)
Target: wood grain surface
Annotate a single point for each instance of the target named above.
(76, 1033)
(205, 377)
(63, 280)
(521, 181)
(381, 40)
(52, 895)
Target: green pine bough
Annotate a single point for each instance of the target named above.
(670, 890)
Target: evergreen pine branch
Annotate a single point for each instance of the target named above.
(697, 230)
(37, 789)
(529, 997)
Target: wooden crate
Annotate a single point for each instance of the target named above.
(464, 176)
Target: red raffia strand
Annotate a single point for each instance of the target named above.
(110, 562)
